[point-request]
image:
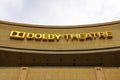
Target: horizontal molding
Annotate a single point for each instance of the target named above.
(111, 49)
(60, 27)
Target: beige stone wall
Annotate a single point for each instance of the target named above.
(58, 73)
(6, 28)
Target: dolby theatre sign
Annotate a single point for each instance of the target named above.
(20, 35)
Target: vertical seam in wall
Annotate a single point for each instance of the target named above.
(99, 73)
(23, 73)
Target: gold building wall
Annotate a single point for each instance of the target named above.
(99, 52)
(6, 28)
(72, 58)
(58, 73)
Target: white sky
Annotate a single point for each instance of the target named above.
(60, 12)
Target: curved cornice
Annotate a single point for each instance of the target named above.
(60, 27)
(67, 52)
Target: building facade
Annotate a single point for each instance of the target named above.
(39, 52)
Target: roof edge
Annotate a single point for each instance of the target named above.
(60, 27)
